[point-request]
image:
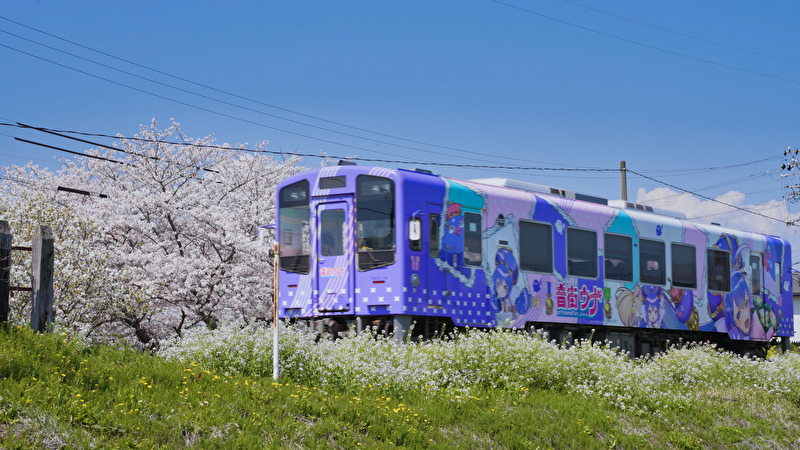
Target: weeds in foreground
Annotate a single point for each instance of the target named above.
(215, 390)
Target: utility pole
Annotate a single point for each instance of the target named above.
(623, 179)
(790, 164)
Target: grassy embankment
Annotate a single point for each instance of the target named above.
(479, 390)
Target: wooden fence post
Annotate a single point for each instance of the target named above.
(5, 269)
(42, 279)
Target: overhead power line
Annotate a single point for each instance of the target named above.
(648, 46)
(460, 151)
(787, 222)
(558, 169)
(666, 30)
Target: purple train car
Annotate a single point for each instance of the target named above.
(369, 246)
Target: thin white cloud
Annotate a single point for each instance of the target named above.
(707, 211)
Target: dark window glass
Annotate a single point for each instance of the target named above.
(536, 247)
(684, 266)
(332, 232)
(651, 262)
(618, 257)
(581, 253)
(433, 234)
(719, 270)
(472, 239)
(332, 182)
(375, 219)
(755, 274)
(293, 242)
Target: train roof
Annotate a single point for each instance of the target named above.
(540, 189)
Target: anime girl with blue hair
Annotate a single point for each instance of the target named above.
(508, 300)
(738, 307)
(653, 307)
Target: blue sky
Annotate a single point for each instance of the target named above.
(702, 96)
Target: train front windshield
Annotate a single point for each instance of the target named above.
(294, 228)
(375, 217)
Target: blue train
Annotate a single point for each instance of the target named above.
(370, 246)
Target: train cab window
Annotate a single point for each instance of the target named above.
(375, 222)
(651, 262)
(433, 234)
(331, 232)
(755, 274)
(581, 253)
(719, 270)
(535, 246)
(415, 234)
(294, 213)
(472, 239)
(684, 266)
(618, 253)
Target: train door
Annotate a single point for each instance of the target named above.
(334, 249)
(756, 273)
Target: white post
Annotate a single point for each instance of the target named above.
(275, 364)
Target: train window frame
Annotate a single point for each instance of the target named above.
(712, 256)
(370, 257)
(682, 282)
(433, 234)
(297, 263)
(332, 232)
(755, 287)
(473, 237)
(571, 254)
(661, 270)
(618, 254)
(524, 265)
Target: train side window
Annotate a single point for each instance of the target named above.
(651, 262)
(433, 234)
(755, 274)
(581, 253)
(618, 253)
(779, 277)
(472, 239)
(415, 234)
(535, 246)
(684, 266)
(719, 270)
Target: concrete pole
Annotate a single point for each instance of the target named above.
(623, 180)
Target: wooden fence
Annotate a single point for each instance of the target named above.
(41, 275)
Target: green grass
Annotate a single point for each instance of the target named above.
(57, 393)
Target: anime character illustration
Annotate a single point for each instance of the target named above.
(509, 300)
(453, 239)
(630, 306)
(653, 307)
(683, 302)
(738, 314)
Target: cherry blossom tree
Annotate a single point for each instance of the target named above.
(173, 245)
